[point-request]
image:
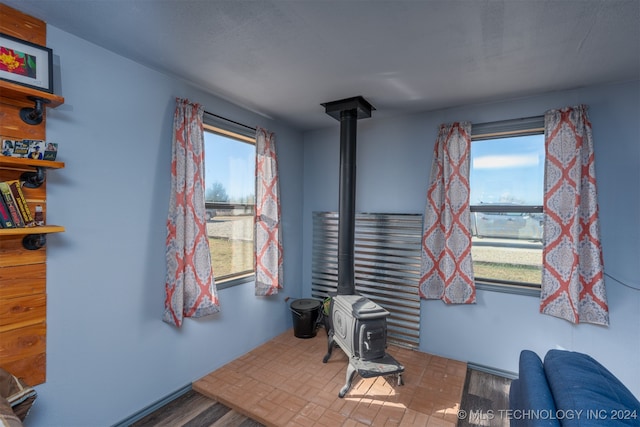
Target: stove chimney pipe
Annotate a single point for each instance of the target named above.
(347, 111)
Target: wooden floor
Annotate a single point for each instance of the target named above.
(485, 400)
(284, 383)
(251, 387)
(192, 409)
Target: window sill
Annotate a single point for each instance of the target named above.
(508, 289)
(229, 283)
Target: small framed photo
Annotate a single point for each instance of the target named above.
(7, 147)
(21, 148)
(50, 151)
(36, 148)
(26, 63)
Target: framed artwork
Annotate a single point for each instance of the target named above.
(26, 63)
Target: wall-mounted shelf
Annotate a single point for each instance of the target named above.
(16, 92)
(23, 163)
(33, 238)
(23, 231)
(19, 162)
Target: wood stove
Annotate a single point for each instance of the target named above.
(357, 325)
(359, 328)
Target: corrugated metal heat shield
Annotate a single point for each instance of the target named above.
(386, 263)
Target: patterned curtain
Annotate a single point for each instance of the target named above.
(268, 231)
(572, 274)
(446, 268)
(190, 289)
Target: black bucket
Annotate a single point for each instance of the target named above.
(305, 313)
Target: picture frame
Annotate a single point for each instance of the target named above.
(25, 63)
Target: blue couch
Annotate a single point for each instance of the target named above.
(569, 389)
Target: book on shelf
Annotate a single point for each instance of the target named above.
(5, 216)
(21, 201)
(12, 206)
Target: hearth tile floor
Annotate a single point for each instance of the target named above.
(284, 383)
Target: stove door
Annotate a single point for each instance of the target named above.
(371, 339)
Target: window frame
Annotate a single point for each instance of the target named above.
(232, 130)
(507, 129)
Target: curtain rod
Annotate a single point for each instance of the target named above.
(230, 121)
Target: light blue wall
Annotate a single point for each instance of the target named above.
(108, 353)
(393, 164)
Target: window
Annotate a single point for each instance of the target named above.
(230, 203)
(506, 179)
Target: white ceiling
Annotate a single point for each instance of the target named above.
(283, 58)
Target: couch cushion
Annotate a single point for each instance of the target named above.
(530, 394)
(586, 393)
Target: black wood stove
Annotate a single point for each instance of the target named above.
(357, 325)
(359, 328)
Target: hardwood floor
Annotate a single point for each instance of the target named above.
(192, 409)
(485, 400)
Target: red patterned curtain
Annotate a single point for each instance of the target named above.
(190, 289)
(446, 268)
(572, 274)
(268, 230)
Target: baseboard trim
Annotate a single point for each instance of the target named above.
(153, 407)
(493, 371)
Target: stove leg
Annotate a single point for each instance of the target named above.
(351, 372)
(331, 344)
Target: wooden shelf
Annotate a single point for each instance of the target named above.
(15, 162)
(21, 93)
(23, 231)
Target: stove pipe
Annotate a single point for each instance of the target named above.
(347, 111)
